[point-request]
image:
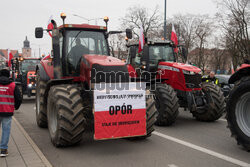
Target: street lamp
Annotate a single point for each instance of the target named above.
(165, 20)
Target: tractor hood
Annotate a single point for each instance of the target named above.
(181, 66)
(103, 60)
(105, 69)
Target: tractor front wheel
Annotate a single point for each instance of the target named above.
(215, 107)
(66, 121)
(166, 102)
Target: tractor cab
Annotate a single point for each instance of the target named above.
(153, 53)
(157, 63)
(74, 45)
(77, 42)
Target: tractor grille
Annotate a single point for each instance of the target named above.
(109, 74)
(193, 81)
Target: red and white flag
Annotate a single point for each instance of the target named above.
(174, 38)
(10, 56)
(46, 57)
(141, 40)
(232, 67)
(50, 26)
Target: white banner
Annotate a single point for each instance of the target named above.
(105, 97)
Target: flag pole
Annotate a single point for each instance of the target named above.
(165, 20)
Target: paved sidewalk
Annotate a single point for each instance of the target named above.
(23, 152)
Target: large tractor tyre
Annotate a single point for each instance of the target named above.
(215, 108)
(166, 103)
(238, 113)
(151, 118)
(21, 90)
(151, 115)
(41, 109)
(66, 121)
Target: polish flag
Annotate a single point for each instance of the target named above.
(10, 56)
(174, 38)
(141, 40)
(46, 57)
(50, 26)
(232, 67)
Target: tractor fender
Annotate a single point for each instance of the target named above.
(43, 75)
(239, 74)
(53, 82)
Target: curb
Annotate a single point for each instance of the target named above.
(32, 143)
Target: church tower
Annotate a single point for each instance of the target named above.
(26, 48)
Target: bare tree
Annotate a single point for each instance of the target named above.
(234, 17)
(186, 27)
(202, 31)
(117, 45)
(138, 17)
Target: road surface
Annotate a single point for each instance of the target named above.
(188, 143)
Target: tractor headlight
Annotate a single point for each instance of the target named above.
(29, 85)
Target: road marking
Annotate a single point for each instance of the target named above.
(204, 150)
(172, 165)
(33, 144)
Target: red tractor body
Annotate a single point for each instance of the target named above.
(68, 101)
(157, 64)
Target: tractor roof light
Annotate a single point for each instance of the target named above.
(63, 16)
(106, 19)
(126, 38)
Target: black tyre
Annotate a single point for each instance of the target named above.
(21, 90)
(66, 121)
(216, 108)
(151, 117)
(238, 112)
(41, 108)
(166, 102)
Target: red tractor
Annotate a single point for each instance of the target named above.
(25, 73)
(31, 83)
(66, 98)
(177, 84)
(238, 106)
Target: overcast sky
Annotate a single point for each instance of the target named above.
(18, 18)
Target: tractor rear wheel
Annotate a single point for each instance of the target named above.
(238, 113)
(41, 110)
(216, 108)
(66, 121)
(166, 103)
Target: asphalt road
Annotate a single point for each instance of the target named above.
(188, 143)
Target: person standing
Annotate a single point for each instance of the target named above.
(211, 78)
(10, 99)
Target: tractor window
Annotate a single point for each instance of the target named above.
(163, 53)
(29, 65)
(79, 43)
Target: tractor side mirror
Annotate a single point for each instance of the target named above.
(39, 32)
(129, 33)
